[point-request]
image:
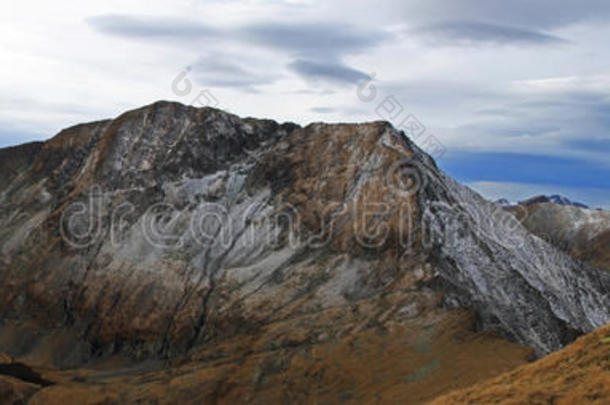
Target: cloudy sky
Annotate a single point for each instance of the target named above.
(514, 96)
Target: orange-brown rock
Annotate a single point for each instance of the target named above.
(15, 391)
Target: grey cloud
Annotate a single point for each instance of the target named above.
(440, 94)
(315, 92)
(14, 102)
(472, 32)
(573, 112)
(221, 72)
(512, 129)
(148, 27)
(335, 73)
(317, 40)
(573, 122)
(596, 144)
(309, 42)
(569, 122)
(346, 110)
(10, 135)
(498, 112)
(534, 14)
(323, 110)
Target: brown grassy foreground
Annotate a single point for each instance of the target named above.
(578, 374)
(383, 366)
(398, 364)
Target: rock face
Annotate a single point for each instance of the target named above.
(171, 228)
(15, 159)
(581, 232)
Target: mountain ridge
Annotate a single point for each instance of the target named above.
(170, 166)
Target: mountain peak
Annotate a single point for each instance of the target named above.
(555, 199)
(171, 226)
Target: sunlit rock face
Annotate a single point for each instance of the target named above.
(171, 228)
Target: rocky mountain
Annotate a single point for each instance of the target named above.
(554, 199)
(15, 159)
(504, 202)
(581, 232)
(245, 247)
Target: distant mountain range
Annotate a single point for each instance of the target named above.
(555, 199)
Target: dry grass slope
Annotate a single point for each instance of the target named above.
(578, 374)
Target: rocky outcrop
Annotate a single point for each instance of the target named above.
(581, 232)
(18, 382)
(15, 159)
(171, 228)
(15, 391)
